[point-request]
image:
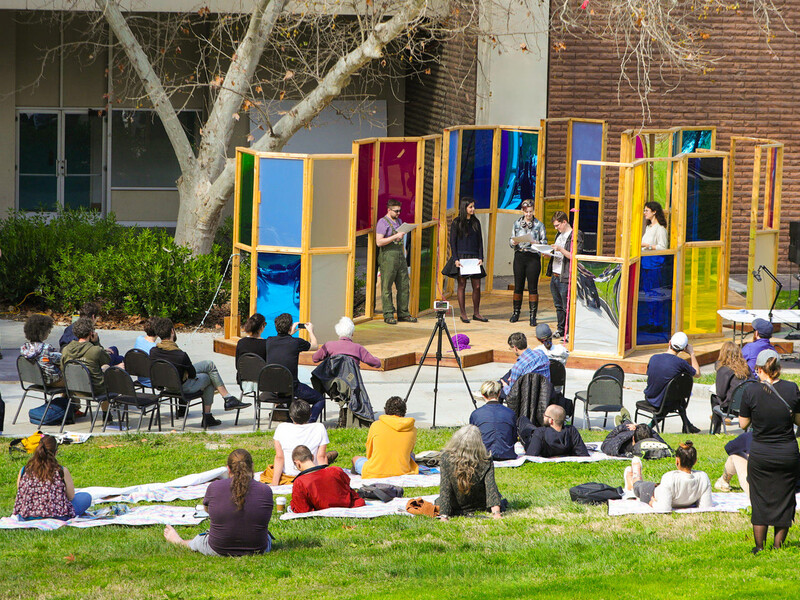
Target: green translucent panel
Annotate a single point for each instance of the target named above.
(426, 278)
(701, 284)
(247, 164)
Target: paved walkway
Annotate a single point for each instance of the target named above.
(453, 405)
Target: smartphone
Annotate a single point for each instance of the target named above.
(301, 325)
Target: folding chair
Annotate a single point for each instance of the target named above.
(733, 407)
(276, 387)
(31, 378)
(164, 377)
(137, 364)
(248, 368)
(124, 397)
(676, 399)
(78, 378)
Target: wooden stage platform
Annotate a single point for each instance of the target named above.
(402, 345)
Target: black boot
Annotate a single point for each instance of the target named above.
(533, 302)
(517, 303)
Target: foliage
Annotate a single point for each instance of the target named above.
(144, 273)
(31, 243)
(546, 546)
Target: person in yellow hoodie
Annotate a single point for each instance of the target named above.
(390, 444)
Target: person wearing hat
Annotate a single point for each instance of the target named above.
(762, 332)
(496, 422)
(773, 466)
(553, 351)
(663, 367)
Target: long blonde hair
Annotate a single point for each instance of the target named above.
(730, 355)
(466, 453)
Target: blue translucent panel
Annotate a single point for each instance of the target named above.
(598, 299)
(587, 144)
(280, 214)
(704, 195)
(694, 140)
(476, 166)
(588, 222)
(654, 314)
(277, 287)
(452, 169)
(518, 161)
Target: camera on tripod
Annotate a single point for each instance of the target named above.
(441, 306)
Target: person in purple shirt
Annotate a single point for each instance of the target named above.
(392, 264)
(345, 329)
(528, 361)
(497, 423)
(762, 332)
(664, 367)
(239, 509)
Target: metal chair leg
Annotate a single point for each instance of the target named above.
(19, 408)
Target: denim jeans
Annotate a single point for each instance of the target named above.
(559, 288)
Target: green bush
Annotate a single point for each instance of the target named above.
(31, 245)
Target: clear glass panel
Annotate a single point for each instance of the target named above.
(476, 166)
(704, 195)
(597, 307)
(247, 165)
(654, 315)
(701, 286)
(83, 151)
(38, 161)
(38, 192)
(328, 293)
(518, 162)
(278, 287)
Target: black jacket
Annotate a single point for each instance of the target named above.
(619, 441)
(529, 397)
(340, 377)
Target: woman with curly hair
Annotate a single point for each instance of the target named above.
(467, 476)
(239, 509)
(45, 489)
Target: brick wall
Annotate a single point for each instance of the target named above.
(750, 92)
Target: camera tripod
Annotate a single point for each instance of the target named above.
(439, 329)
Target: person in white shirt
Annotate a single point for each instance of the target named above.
(297, 433)
(655, 234)
(678, 489)
(553, 351)
(657, 318)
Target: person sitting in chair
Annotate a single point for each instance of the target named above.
(90, 310)
(554, 439)
(762, 332)
(497, 423)
(528, 361)
(663, 367)
(84, 350)
(318, 486)
(553, 351)
(390, 443)
(37, 329)
(345, 329)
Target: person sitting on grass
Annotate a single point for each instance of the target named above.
(90, 310)
(201, 377)
(621, 440)
(297, 433)
(497, 423)
(45, 489)
(37, 329)
(239, 509)
(317, 487)
(467, 474)
(738, 450)
(390, 443)
(554, 438)
(678, 489)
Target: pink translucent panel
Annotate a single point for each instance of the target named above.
(366, 154)
(397, 177)
(639, 147)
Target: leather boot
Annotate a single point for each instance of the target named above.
(517, 303)
(533, 303)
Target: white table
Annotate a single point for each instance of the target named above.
(748, 315)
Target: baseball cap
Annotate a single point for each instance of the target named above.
(763, 327)
(543, 331)
(679, 341)
(765, 355)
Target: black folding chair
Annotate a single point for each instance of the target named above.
(137, 364)
(726, 414)
(558, 376)
(676, 399)
(248, 368)
(124, 398)
(164, 377)
(275, 387)
(611, 370)
(603, 395)
(78, 378)
(32, 380)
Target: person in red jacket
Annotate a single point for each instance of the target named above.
(320, 486)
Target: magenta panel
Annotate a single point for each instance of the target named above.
(366, 156)
(397, 177)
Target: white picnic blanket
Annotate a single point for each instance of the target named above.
(141, 515)
(374, 508)
(594, 456)
(721, 502)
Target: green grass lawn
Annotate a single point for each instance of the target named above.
(546, 546)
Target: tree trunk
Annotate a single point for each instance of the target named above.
(197, 225)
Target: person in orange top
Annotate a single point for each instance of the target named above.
(390, 444)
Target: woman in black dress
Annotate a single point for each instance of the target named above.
(771, 407)
(466, 241)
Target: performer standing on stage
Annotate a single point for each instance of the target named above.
(466, 241)
(392, 264)
(559, 268)
(527, 261)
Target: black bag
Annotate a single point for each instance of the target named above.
(594, 493)
(54, 414)
(2, 413)
(652, 449)
(381, 491)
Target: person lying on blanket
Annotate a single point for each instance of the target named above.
(621, 440)
(239, 509)
(390, 443)
(319, 486)
(554, 439)
(678, 489)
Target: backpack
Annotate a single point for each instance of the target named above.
(27, 445)
(652, 449)
(55, 414)
(381, 491)
(594, 493)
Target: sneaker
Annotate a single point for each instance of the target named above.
(408, 319)
(233, 403)
(558, 335)
(210, 421)
(624, 415)
(332, 455)
(722, 485)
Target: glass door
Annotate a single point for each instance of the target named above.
(83, 158)
(38, 161)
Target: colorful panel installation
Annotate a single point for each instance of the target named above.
(700, 293)
(330, 206)
(426, 268)
(277, 287)
(328, 272)
(631, 297)
(597, 307)
(476, 166)
(452, 168)
(704, 196)
(397, 177)
(518, 162)
(280, 213)
(366, 156)
(654, 315)
(587, 144)
(247, 166)
(696, 139)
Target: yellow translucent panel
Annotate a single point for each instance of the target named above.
(701, 271)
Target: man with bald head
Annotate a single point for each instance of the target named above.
(554, 438)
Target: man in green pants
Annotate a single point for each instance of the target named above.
(392, 264)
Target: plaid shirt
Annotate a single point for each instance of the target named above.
(530, 361)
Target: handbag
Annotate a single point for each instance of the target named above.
(381, 491)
